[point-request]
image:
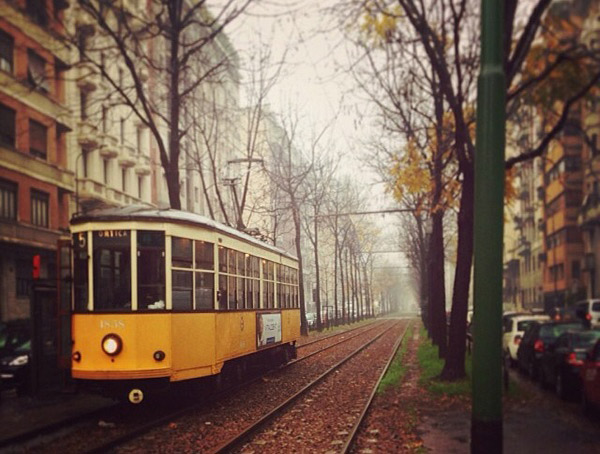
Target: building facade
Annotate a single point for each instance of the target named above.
(36, 182)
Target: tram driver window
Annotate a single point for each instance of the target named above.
(112, 270)
(151, 270)
(80, 270)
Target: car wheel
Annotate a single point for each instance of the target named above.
(559, 386)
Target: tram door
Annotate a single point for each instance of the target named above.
(45, 374)
(64, 303)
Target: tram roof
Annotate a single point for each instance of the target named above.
(145, 213)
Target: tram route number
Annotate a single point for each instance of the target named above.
(112, 324)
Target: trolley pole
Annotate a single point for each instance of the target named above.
(486, 422)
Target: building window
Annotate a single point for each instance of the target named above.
(37, 139)
(139, 140)
(104, 118)
(7, 127)
(105, 171)
(575, 269)
(84, 162)
(36, 71)
(7, 45)
(36, 9)
(83, 104)
(8, 200)
(122, 130)
(39, 208)
(124, 179)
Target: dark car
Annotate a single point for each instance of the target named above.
(561, 362)
(536, 339)
(15, 355)
(590, 379)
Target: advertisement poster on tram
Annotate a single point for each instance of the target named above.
(268, 329)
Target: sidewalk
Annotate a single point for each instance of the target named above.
(541, 423)
(20, 415)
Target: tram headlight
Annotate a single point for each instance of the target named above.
(112, 344)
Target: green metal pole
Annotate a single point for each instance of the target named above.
(486, 423)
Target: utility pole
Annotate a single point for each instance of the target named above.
(486, 422)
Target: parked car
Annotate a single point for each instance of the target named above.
(561, 362)
(15, 355)
(589, 312)
(536, 339)
(590, 379)
(513, 330)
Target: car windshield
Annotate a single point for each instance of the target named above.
(585, 339)
(25, 347)
(552, 331)
(596, 307)
(522, 325)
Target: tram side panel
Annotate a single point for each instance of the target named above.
(193, 345)
(290, 325)
(235, 334)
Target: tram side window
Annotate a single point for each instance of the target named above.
(205, 258)
(222, 292)
(204, 290)
(231, 293)
(112, 270)
(182, 290)
(222, 259)
(151, 269)
(80, 271)
(182, 252)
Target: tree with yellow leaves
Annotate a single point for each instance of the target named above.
(439, 40)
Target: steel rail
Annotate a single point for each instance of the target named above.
(254, 427)
(367, 407)
(329, 336)
(168, 418)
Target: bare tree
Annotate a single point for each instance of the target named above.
(169, 49)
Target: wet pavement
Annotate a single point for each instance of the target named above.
(21, 415)
(538, 423)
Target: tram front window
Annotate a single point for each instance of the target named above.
(151, 270)
(112, 270)
(80, 271)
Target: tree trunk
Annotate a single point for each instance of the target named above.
(341, 259)
(436, 285)
(454, 367)
(317, 277)
(297, 226)
(335, 268)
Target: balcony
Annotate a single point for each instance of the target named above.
(143, 165)
(127, 157)
(87, 135)
(109, 147)
(88, 76)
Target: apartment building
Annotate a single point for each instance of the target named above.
(35, 179)
(589, 216)
(110, 147)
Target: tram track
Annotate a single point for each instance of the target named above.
(236, 443)
(89, 419)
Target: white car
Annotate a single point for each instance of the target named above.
(513, 332)
(311, 320)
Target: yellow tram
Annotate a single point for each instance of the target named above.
(164, 296)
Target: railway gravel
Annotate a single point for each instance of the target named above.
(323, 419)
(77, 438)
(207, 428)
